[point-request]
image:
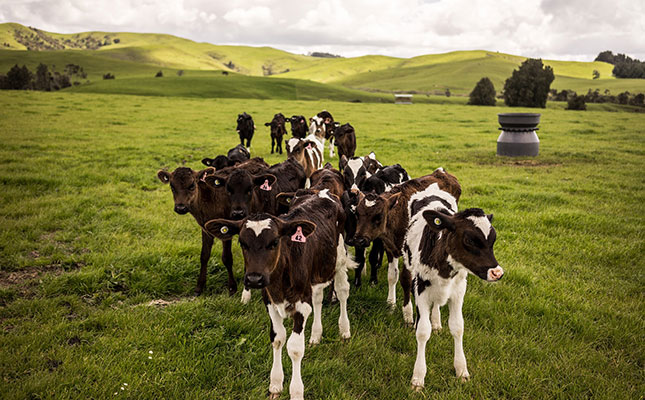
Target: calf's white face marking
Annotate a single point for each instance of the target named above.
(483, 224)
(258, 226)
(369, 203)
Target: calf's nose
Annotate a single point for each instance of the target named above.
(495, 274)
(238, 214)
(361, 241)
(254, 280)
(181, 209)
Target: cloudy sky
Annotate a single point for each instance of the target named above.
(551, 29)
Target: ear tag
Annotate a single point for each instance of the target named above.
(299, 236)
(266, 186)
(437, 221)
(217, 182)
(309, 146)
(288, 200)
(203, 179)
(224, 230)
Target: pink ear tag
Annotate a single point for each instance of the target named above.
(266, 186)
(299, 236)
(308, 146)
(204, 177)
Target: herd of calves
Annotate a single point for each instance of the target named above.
(295, 219)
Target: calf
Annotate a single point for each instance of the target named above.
(326, 178)
(356, 169)
(245, 128)
(308, 153)
(290, 176)
(193, 195)
(292, 259)
(386, 217)
(443, 247)
(345, 138)
(298, 126)
(385, 179)
(278, 130)
(235, 156)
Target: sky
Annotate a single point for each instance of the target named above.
(550, 29)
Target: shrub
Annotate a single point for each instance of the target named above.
(159, 74)
(180, 72)
(448, 94)
(19, 78)
(483, 94)
(576, 103)
(529, 85)
(43, 78)
(109, 76)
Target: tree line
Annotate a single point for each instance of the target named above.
(624, 66)
(21, 78)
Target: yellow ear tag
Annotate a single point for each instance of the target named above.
(224, 230)
(288, 200)
(216, 182)
(437, 221)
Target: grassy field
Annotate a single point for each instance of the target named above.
(89, 239)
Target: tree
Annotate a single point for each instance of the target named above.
(576, 103)
(159, 74)
(529, 85)
(19, 78)
(483, 94)
(595, 74)
(43, 78)
(448, 94)
(623, 98)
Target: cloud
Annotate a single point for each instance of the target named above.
(537, 28)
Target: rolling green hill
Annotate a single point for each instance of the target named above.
(132, 55)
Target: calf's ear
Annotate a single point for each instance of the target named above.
(223, 229)
(439, 221)
(216, 181)
(392, 201)
(265, 181)
(267, 124)
(208, 161)
(343, 162)
(164, 176)
(285, 198)
(290, 228)
(490, 217)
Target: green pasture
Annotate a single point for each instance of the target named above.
(89, 240)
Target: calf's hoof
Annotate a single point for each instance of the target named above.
(232, 290)
(246, 296)
(463, 377)
(437, 329)
(417, 385)
(274, 396)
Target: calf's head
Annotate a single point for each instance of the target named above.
(262, 238)
(240, 186)
(469, 238)
(184, 184)
(244, 122)
(317, 126)
(354, 171)
(372, 213)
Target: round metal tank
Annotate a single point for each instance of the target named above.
(518, 137)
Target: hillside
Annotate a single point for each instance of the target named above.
(131, 55)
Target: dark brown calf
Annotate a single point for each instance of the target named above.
(345, 140)
(245, 128)
(278, 130)
(193, 195)
(292, 259)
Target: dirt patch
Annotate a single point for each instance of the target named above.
(25, 280)
(532, 163)
(165, 303)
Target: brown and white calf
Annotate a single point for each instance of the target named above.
(191, 194)
(444, 246)
(278, 130)
(292, 259)
(387, 217)
(308, 153)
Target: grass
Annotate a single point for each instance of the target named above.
(89, 238)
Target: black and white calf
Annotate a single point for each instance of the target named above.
(292, 259)
(385, 179)
(443, 246)
(356, 170)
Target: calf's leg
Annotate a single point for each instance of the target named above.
(406, 284)
(296, 349)
(207, 246)
(227, 260)
(392, 279)
(424, 329)
(317, 298)
(341, 285)
(360, 259)
(376, 259)
(278, 337)
(456, 324)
